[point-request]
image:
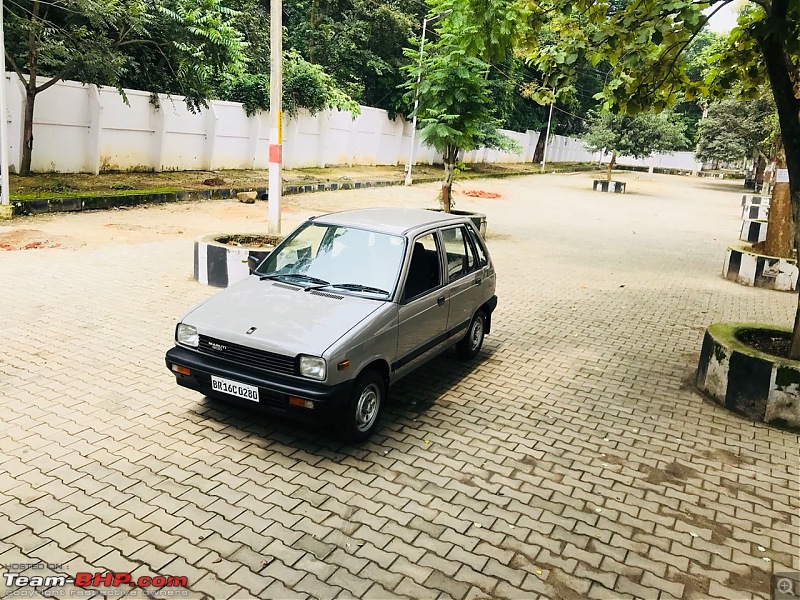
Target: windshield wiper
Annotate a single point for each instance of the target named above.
(357, 287)
(301, 276)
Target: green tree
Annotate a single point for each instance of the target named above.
(304, 86)
(358, 42)
(176, 46)
(638, 136)
(455, 108)
(734, 130)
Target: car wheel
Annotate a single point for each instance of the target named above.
(473, 340)
(362, 411)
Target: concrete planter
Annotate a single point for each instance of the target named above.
(755, 212)
(753, 231)
(746, 267)
(752, 383)
(614, 187)
(220, 264)
(754, 199)
(478, 219)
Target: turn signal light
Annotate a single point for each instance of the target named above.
(294, 401)
(181, 370)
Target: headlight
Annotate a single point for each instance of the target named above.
(312, 367)
(187, 335)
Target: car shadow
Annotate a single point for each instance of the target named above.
(409, 399)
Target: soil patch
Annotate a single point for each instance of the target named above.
(251, 241)
(755, 580)
(672, 473)
(481, 194)
(774, 343)
(28, 239)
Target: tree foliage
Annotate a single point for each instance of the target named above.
(305, 86)
(174, 46)
(357, 42)
(735, 129)
(638, 136)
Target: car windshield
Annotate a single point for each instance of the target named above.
(345, 258)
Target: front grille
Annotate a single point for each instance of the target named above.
(250, 357)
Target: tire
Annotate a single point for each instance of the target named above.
(472, 343)
(363, 410)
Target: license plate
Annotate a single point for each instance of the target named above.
(234, 388)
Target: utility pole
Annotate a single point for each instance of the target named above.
(275, 115)
(4, 201)
(416, 95)
(547, 139)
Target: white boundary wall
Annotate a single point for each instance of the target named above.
(83, 128)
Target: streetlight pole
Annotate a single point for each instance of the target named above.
(275, 115)
(416, 95)
(549, 122)
(416, 104)
(3, 118)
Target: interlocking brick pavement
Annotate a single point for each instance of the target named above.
(572, 459)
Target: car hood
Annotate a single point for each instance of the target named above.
(283, 318)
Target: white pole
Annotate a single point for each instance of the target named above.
(416, 105)
(3, 117)
(547, 139)
(275, 115)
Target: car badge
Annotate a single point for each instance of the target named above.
(217, 347)
(251, 330)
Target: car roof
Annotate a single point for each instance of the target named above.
(394, 221)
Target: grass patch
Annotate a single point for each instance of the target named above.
(41, 195)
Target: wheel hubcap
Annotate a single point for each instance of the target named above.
(476, 334)
(367, 408)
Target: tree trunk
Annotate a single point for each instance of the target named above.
(538, 153)
(27, 130)
(780, 229)
(30, 92)
(611, 163)
(788, 105)
(449, 157)
(761, 164)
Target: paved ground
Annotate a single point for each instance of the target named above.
(572, 460)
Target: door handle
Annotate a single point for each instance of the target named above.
(440, 300)
(478, 280)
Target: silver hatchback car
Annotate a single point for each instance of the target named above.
(345, 306)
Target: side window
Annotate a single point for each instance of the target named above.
(424, 271)
(481, 253)
(460, 255)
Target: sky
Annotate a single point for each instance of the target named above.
(725, 19)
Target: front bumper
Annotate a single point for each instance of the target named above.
(274, 390)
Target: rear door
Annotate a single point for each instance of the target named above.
(423, 305)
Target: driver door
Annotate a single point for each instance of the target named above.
(422, 321)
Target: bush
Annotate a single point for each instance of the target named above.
(305, 85)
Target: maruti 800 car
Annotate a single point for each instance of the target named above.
(345, 306)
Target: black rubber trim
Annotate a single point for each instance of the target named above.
(416, 353)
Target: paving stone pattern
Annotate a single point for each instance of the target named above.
(572, 459)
